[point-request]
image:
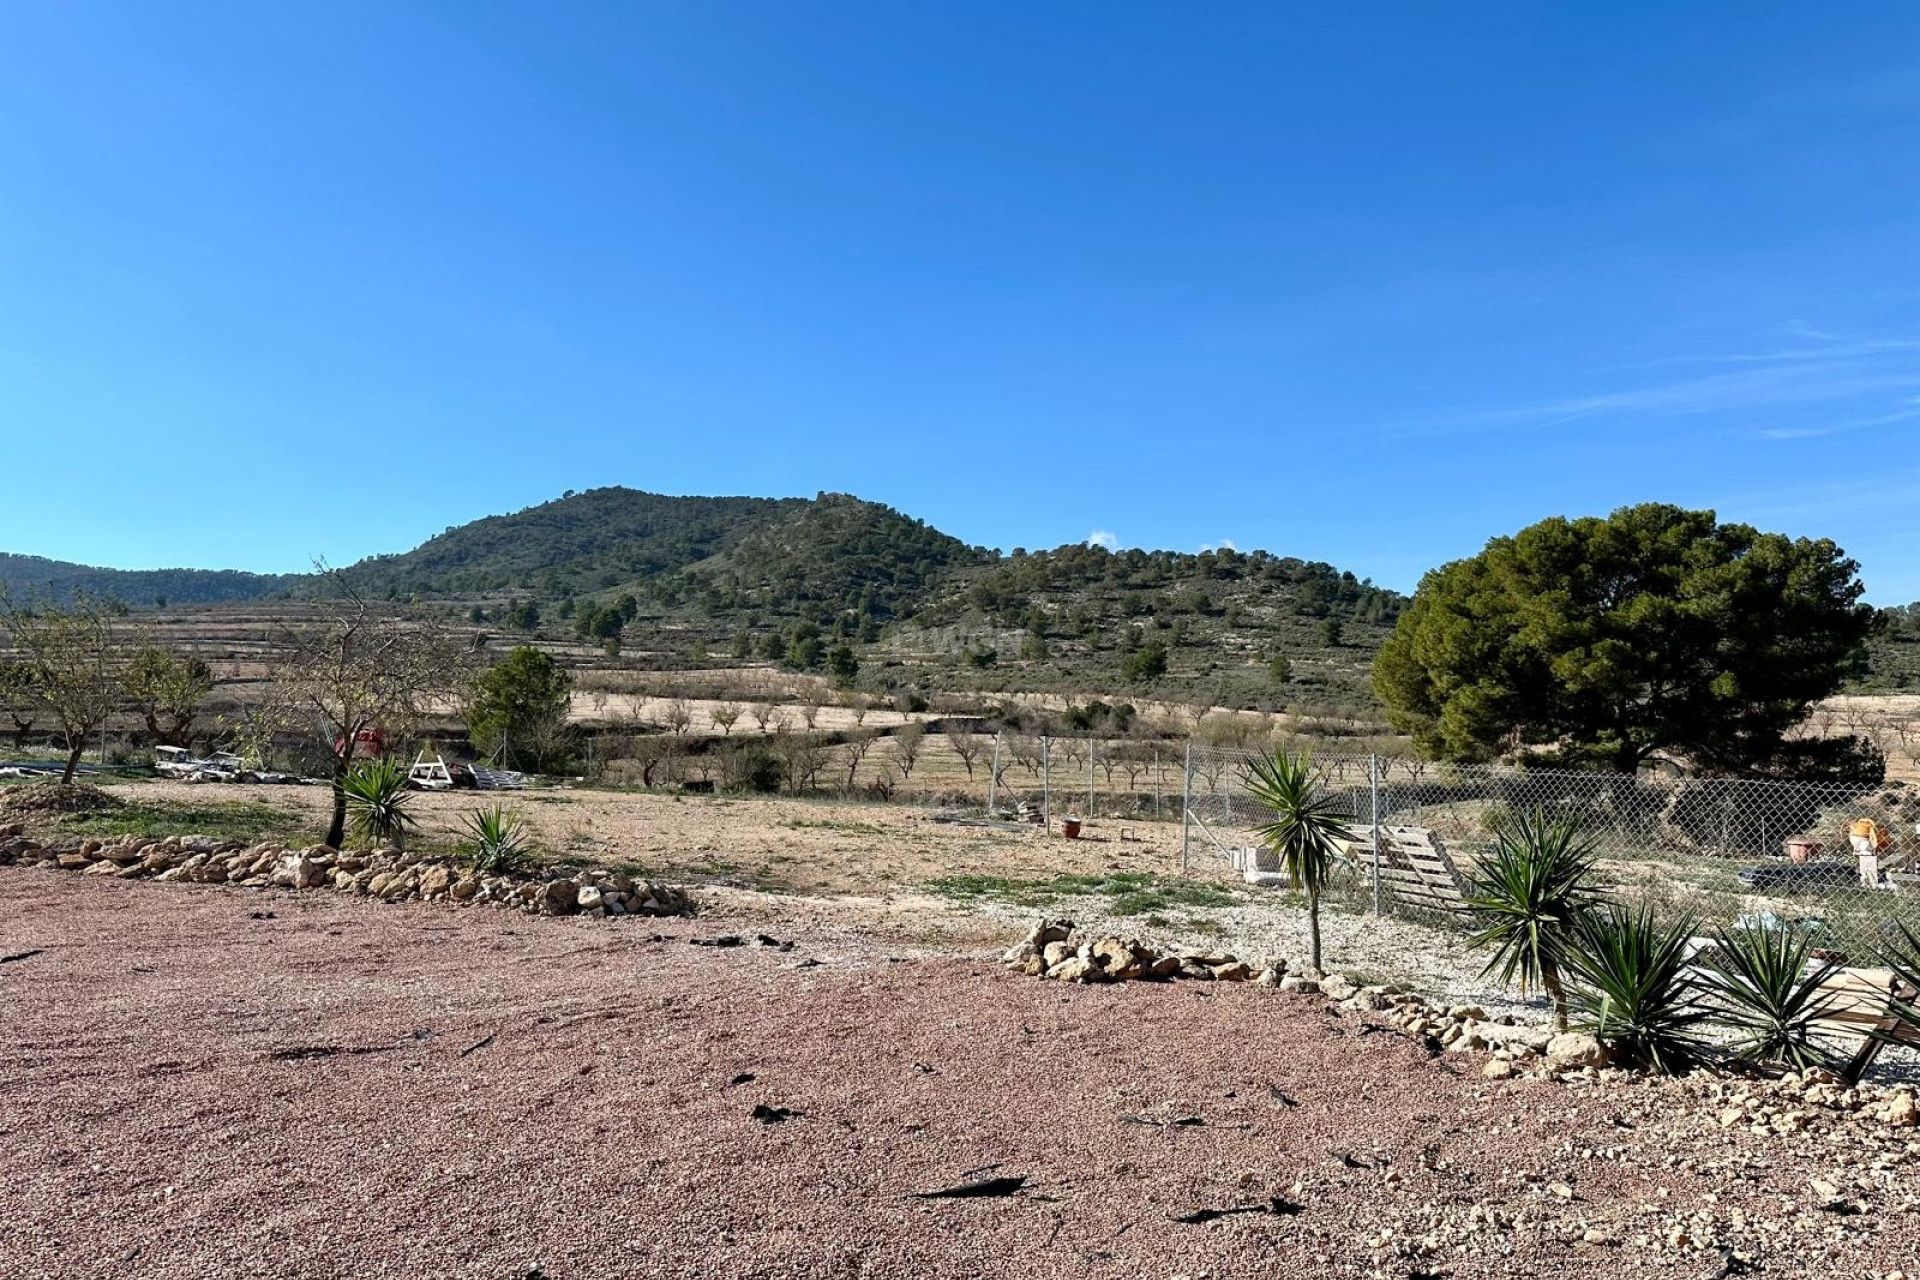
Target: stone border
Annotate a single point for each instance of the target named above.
(387, 874)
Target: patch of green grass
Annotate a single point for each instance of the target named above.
(1172, 893)
(1130, 893)
(247, 820)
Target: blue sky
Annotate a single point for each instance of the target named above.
(1363, 283)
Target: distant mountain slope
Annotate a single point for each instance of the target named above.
(575, 544)
(31, 578)
(835, 553)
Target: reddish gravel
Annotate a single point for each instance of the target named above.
(150, 1129)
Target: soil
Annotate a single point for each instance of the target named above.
(214, 1081)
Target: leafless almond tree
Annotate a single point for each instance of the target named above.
(726, 715)
(964, 745)
(359, 675)
(907, 740)
(73, 667)
(856, 748)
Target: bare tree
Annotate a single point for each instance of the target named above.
(804, 758)
(74, 666)
(166, 687)
(725, 715)
(810, 708)
(16, 695)
(679, 716)
(860, 706)
(907, 740)
(856, 748)
(964, 745)
(360, 671)
(763, 714)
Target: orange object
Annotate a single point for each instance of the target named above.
(1877, 838)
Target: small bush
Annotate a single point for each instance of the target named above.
(1528, 899)
(1764, 990)
(1635, 992)
(500, 840)
(377, 798)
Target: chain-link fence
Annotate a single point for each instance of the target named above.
(1840, 861)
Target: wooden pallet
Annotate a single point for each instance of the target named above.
(1860, 1008)
(1414, 867)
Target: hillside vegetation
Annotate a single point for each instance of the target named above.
(31, 578)
(676, 582)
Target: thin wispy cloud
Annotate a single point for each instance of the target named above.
(1861, 378)
(1225, 544)
(1103, 538)
(1841, 428)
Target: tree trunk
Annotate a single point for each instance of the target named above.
(1550, 979)
(1313, 929)
(337, 824)
(73, 761)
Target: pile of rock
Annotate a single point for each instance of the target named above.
(1049, 951)
(1800, 1100)
(387, 874)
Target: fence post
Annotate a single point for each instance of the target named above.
(993, 776)
(1046, 784)
(1373, 785)
(1157, 782)
(1186, 806)
(1090, 751)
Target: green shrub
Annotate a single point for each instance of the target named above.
(1763, 989)
(1634, 990)
(377, 799)
(1528, 899)
(500, 840)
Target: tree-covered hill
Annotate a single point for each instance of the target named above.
(33, 578)
(575, 544)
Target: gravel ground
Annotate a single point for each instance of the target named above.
(1432, 962)
(200, 1081)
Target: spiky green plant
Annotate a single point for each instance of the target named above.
(1634, 989)
(500, 840)
(1527, 899)
(1901, 953)
(1765, 986)
(1303, 824)
(377, 796)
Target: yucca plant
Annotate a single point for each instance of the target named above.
(1768, 989)
(377, 796)
(1304, 822)
(500, 839)
(1527, 899)
(1634, 991)
(1901, 953)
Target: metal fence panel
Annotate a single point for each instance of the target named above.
(1841, 861)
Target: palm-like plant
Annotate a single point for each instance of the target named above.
(1528, 898)
(1764, 989)
(1635, 991)
(1902, 955)
(500, 839)
(377, 795)
(1301, 831)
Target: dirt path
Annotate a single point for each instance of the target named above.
(207, 1081)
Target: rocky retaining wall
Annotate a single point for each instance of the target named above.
(386, 874)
